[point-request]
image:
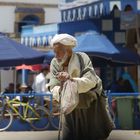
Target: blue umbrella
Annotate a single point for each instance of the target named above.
(93, 44)
(126, 56)
(104, 52)
(13, 53)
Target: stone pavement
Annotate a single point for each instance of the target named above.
(52, 135)
(124, 135)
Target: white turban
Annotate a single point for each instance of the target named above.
(64, 39)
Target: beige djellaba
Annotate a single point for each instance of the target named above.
(90, 120)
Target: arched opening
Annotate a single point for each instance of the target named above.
(128, 7)
(115, 7)
(28, 20)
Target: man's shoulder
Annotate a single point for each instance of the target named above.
(54, 61)
(83, 55)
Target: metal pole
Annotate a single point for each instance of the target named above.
(138, 47)
(24, 76)
(15, 80)
(0, 81)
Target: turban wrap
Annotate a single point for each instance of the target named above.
(64, 39)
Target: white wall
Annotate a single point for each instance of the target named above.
(7, 14)
(6, 78)
(33, 1)
(52, 15)
(7, 19)
(138, 5)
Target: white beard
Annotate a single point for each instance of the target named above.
(63, 60)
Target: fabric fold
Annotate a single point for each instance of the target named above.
(69, 97)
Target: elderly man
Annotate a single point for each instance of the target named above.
(81, 123)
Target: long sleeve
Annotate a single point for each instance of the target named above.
(88, 78)
(85, 82)
(54, 84)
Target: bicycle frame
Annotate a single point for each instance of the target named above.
(37, 116)
(29, 112)
(13, 104)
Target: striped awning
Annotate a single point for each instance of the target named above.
(38, 35)
(77, 11)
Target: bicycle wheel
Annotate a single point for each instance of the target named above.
(6, 119)
(40, 119)
(55, 117)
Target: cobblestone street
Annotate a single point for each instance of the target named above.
(52, 135)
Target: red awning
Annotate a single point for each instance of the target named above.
(36, 67)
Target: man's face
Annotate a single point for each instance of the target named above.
(60, 52)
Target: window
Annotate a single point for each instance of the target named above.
(107, 25)
(120, 37)
(115, 3)
(28, 20)
(28, 16)
(66, 1)
(128, 8)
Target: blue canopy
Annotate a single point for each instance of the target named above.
(92, 42)
(104, 52)
(126, 56)
(13, 53)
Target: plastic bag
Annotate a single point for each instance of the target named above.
(69, 97)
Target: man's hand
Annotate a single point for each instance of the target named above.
(63, 76)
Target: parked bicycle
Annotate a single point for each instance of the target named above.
(37, 116)
(55, 114)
